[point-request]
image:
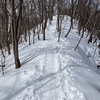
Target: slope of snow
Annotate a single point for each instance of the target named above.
(52, 70)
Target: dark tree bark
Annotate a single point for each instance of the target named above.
(14, 30)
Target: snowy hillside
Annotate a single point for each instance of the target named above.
(52, 70)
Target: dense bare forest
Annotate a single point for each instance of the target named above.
(18, 17)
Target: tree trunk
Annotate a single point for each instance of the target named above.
(15, 31)
(16, 55)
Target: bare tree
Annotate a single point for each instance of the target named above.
(15, 27)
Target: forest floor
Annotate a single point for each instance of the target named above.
(52, 70)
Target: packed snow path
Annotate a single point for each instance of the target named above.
(52, 70)
(53, 77)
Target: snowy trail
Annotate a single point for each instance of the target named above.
(52, 78)
(56, 78)
(52, 70)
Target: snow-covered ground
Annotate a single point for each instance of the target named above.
(52, 70)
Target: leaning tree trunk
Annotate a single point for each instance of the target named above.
(71, 24)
